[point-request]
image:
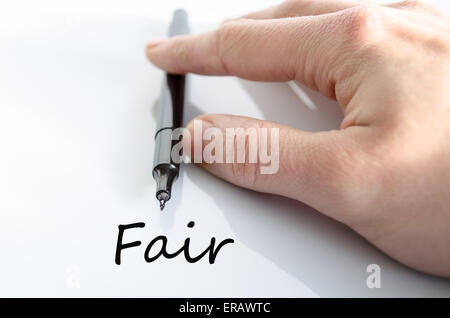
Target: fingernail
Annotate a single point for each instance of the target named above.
(154, 43)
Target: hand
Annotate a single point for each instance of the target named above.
(386, 172)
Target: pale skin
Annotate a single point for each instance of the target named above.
(386, 172)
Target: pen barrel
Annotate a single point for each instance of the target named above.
(165, 175)
(171, 102)
(170, 117)
(165, 168)
(179, 23)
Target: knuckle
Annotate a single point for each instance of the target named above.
(412, 4)
(363, 24)
(416, 5)
(438, 43)
(245, 173)
(246, 142)
(228, 31)
(227, 38)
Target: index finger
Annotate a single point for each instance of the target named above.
(302, 48)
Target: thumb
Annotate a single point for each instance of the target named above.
(315, 168)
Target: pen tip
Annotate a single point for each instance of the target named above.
(162, 204)
(162, 197)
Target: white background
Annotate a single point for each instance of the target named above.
(76, 144)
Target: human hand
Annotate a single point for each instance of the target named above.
(386, 172)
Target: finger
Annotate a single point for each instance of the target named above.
(303, 49)
(296, 8)
(423, 14)
(411, 5)
(315, 168)
(417, 6)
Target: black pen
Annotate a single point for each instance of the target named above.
(170, 117)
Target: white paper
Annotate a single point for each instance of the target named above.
(76, 143)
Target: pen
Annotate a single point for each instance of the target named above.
(170, 117)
